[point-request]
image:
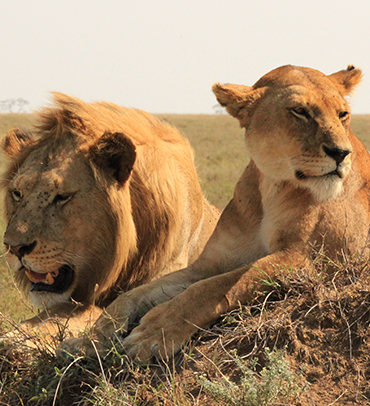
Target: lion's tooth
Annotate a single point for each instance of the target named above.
(49, 279)
(55, 273)
(29, 275)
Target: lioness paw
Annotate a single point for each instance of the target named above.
(145, 344)
(160, 335)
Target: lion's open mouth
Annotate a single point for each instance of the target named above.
(57, 282)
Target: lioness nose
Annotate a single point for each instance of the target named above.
(21, 250)
(338, 154)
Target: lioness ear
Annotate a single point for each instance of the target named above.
(236, 97)
(348, 79)
(116, 154)
(15, 141)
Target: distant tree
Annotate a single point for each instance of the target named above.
(219, 109)
(13, 105)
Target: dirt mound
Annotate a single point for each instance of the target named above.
(319, 323)
(323, 325)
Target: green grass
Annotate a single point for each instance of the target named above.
(275, 383)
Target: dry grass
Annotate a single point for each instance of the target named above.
(220, 153)
(8, 121)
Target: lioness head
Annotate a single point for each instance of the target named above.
(297, 122)
(64, 219)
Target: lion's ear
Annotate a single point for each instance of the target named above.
(115, 153)
(348, 79)
(236, 98)
(15, 141)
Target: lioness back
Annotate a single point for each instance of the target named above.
(99, 199)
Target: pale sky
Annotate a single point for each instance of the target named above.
(163, 56)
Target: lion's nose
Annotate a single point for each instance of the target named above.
(338, 154)
(20, 250)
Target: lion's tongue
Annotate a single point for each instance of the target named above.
(47, 278)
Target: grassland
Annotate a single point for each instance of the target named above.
(320, 326)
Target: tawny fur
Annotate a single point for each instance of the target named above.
(111, 192)
(307, 185)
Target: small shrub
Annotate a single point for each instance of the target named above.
(275, 383)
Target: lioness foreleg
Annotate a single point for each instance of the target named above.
(164, 329)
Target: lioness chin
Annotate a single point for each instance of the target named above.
(307, 183)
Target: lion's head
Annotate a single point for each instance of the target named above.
(297, 122)
(90, 204)
(60, 189)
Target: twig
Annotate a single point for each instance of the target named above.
(100, 363)
(346, 321)
(336, 400)
(61, 378)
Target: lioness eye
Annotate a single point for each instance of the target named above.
(343, 115)
(301, 112)
(61, 199)
(16, 195)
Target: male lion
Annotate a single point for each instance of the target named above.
(307, 184)
(99, 199)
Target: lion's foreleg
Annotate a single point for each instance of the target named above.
(125, 312)
(66, 319)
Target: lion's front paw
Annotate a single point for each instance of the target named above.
(161, 334)
(23, 339)
(87, 345)
(73, 347)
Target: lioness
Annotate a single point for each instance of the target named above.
(99, 199)
(307, 184)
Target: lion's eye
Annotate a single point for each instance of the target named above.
(16, 195)
(343, 115)
(62, 199)
(301, 112)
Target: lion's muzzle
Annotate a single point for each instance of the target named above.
(20, 250)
